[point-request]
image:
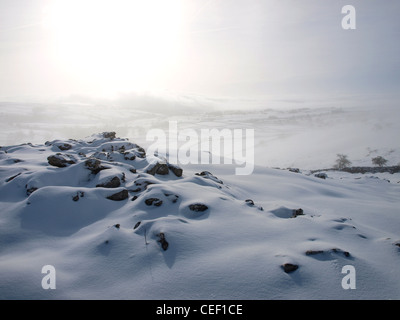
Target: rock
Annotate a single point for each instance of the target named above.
(13, 177)
(140, 152)
(321, 175)
(175, 169)
(314, 252)
(134, 198)
(30, 190)
(334, 250)
(158, 168)
(153, 201)
(164, 243)
(65, 146)
(117, 225)
(209, 175)
(59, 161)
(198, 207)
(137, 225)
(345, 253)
(75, 198)
(297, 212)
(113, 183)
(173, 197)
(119, 196)
(109, 135)
(289, 267)
(249, 202)
(94, 165)
(295, 170)
(132, 170)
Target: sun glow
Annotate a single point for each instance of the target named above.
(118, 44)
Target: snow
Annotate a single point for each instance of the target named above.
(226, 249)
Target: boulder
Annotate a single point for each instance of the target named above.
(297, 212)
(175, 169)
(209, 175)
(119, 196)
(158, 168)
(198, 207)
(59, 161)
(94, 165)
(64, 146)
(164, 243)
(109, 135)
(115, 182)
(321, 175)
(289, 267)
(153, 201)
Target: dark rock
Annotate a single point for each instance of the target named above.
(153, 201)
(94, 165)
(321, 175)
(134, 198)
(175, 169)
(13, 177)
(173, 197)
(117, 225)
(59, 161)
(314, 252)
(334, 250)
(31, 190)
(198, 207)
(129, 156)
(119, 196)
(76, 197)
(65, 146)
(209, 175)
(295, 170)
(289, 267)
(164, 243)
(345, 253)
(249, 202)
(109, 135)
(133, 170)
(297, 212)
(113, 183)
(140, 152)
(137, 225)
(158, 168)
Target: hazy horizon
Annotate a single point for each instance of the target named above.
(260, 51)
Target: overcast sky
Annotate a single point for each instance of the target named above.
(294, 50)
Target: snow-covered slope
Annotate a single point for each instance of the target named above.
(117, 223)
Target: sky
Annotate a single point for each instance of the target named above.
(276, 50)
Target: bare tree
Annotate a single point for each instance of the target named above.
(379, 161)
(342, 161)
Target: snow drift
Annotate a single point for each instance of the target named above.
(117, 223)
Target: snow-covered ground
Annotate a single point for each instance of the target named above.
(194, 236)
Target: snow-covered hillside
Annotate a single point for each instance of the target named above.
(117, 223)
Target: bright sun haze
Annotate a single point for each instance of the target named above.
(117, 44)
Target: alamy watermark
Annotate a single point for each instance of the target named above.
(206, 146)
(49, 280)
(349, 20)
(349, 280)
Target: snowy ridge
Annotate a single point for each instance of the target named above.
(117, 223)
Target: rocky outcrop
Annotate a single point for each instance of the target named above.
(115, 182)
(119, 196)
(59, 160)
